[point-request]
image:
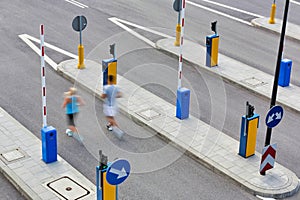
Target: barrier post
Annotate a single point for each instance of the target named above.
(48, 133)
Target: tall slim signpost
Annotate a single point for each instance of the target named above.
(79, 23)
(276, 77)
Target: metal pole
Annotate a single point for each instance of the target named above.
(279, 57)
(80, 29)
(43, 75)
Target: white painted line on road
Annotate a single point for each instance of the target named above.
(264, 198)
(27, 39)
(76, 3)
(219, 13)
(116, 21)
(51, 46)
(295, 2)
(233, 8)
(37, 50)
(140, 27)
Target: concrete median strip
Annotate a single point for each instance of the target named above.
(209, 146)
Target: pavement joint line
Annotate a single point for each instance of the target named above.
(29, 173)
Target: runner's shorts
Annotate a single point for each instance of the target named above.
(70, 119)
(110, 111)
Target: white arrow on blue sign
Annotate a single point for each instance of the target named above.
(274, 116)
(118, 172)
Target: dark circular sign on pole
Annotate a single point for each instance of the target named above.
(177, 5)
(79, 25)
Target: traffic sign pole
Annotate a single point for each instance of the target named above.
(79, 23)
(275, 84)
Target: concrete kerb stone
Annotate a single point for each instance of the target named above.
(263, 23)
(204, 160)
(19, 184)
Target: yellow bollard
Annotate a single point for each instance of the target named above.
(80, 57)
(272, 14)
(178, 31)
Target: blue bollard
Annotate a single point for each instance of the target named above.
(49, 144)
(183, 103)
(285, 72)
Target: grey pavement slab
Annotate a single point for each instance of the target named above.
(211, 147)
(21, 162)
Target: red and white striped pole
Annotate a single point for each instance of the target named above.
(44, 109)
(181, 43)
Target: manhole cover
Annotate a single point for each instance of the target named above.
(12, 155)
(68, 188)
(254, 82)
(148, 113)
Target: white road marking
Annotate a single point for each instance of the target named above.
(141, 27)
(28, 40)
(264, 198)
(219, 13)
(76, 3)
(234, 9)
(115, 20)
(295, 2)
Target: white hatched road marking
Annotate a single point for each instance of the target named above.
(224, 14)
(232, 8)
(295, 2)
(28, 40)
(76, 3)
(120, 22)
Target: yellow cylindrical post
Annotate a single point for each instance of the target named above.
(178, 31)
(80, 57)
(272, 14)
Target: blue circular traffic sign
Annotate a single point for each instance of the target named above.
(118, 172)
(274, 116)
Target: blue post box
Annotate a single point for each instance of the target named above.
(212, 50)
(49, 144)
(183, 103)
(285, 72)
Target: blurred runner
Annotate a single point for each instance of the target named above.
(110, 93)
(71, 104)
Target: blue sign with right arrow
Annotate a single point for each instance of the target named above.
(274, 116)
(118, 171)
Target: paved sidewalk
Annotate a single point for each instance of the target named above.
(21, 162)
(205, 143)
(292, 30)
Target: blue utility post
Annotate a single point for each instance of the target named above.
(212, 47)
(109, 66)
(105, 191)
(249, 125)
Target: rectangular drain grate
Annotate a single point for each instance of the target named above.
(253, 82)
(148, 113)
(12, 155)
(67, 188)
